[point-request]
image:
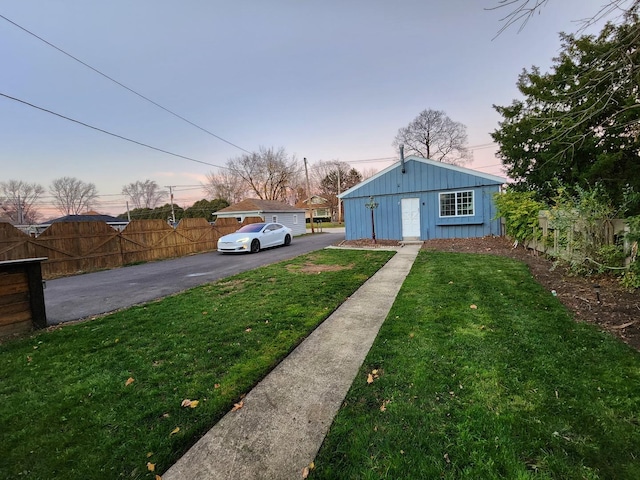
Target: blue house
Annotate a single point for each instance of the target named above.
(421, 199)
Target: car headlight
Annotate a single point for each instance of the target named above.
(243, 240)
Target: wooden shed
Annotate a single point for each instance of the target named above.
(421, 199)
(269, 211)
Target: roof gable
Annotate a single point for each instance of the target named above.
(485, 178)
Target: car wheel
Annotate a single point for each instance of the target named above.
(255, 246)
(287, 240)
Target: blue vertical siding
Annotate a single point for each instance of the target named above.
(423, 181)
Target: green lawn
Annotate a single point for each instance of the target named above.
(102, 399)
(479, 373)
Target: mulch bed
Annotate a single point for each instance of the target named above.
(617, 312)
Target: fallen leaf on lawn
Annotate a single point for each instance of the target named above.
(446, 457)
(129, 381)
(375, 372)
(248, 330)
(174, 431)
(158, 477)
(312, 465)
(149, 454)
(189, 403)
(450, 283)
(305, 472)
(29, 358)
(204, 313)
(238, 406)
(217, 385)
(383, 407)
(369, 378)
(151, 467)
(474, 307)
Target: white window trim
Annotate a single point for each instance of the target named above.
(295, 219)
(456, 192)
(274, 218)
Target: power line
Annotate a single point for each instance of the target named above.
(124, 86)
(107, 132)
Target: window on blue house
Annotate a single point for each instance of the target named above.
(456, 204)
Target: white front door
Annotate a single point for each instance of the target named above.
(410, 218)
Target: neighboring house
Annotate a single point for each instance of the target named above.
(420, 199)
(114, 222)
(269, 211)
(320, 207)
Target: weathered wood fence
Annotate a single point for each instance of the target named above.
(568, 240)
(79, 247)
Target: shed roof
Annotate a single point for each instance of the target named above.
(492, 179)
(258, 205)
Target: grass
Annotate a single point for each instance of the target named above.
(69, 411)
(514, 388)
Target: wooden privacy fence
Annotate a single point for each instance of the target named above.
(568, 240)
(78, 247)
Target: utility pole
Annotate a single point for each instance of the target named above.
(128, 212)
(20, 212)
(173, 214)
(306, 171)
(339, 192)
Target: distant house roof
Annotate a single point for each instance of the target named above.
(257, 205)
(316, 201)
(89, 217)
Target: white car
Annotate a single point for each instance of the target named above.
(254, 237)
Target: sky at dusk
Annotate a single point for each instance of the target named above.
(326, 80)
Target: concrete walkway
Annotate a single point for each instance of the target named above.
(284, 419)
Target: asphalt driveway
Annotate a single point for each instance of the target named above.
(83, 296)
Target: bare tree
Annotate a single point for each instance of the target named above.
(18, 199)
(521, 11)
(269, 173)
(225, 185)
(368, 173)
(432, 134)
(72, 196)
(145, 194)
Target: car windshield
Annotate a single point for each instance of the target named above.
(253, 227)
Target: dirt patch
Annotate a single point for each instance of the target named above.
(618, 311)
(368, 243)
(315, 268)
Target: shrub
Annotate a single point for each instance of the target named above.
(520, 211)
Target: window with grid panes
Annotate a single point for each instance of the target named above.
(456, 204)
